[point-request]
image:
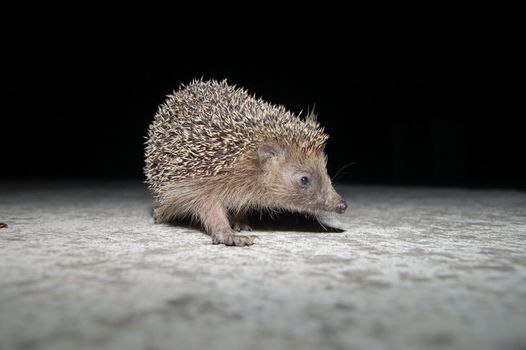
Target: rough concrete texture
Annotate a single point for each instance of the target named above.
(82, 266)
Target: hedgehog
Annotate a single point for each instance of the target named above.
(214, 152)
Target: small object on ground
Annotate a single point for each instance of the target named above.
(214, 152)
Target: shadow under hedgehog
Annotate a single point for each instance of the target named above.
(213, 152)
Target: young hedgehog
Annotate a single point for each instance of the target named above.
(213, 152)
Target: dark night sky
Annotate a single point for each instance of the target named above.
(403, 110)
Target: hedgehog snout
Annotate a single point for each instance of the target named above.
(338, 205)
(341, 207)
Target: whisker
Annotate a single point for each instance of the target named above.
(343, 167)
(342, 174)
(322, 225)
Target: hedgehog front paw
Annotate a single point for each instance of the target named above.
(3, 225)
(231, 239)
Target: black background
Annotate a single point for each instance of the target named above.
(411, 110)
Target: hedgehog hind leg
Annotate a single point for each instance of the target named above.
(215, 220)
(162, 214)
(240, 222)
(156, 214)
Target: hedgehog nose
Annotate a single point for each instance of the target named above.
(341, 207)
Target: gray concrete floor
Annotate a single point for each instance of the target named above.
(82, 266)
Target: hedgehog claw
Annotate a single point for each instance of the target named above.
(234, 240)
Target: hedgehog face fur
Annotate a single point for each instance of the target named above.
(298, 181)
(213, 152)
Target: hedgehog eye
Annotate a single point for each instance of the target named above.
(304, 181)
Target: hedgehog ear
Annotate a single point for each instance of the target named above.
(267, 151)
